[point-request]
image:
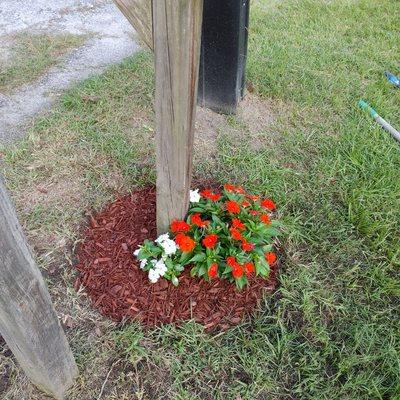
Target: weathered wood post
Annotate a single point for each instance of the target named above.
(177, 37)
(138, 13)
(28, 322)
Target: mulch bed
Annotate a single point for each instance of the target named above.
(120, 290)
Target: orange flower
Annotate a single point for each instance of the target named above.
(185, 243)
(235, 189)
(247, 246)
(232, 207)
(235, 234)
(230, 260)
(254, 198)
(208, 194)
(213, 270)
(271, 258)
(265, 218)
(179, 226)
(210, 241)
(237, 271)
(178, 238)
(196, 219)
(253, 212)
(238, 224)
(246, 203)
(268, 203)
(249, 267)
(229, 187)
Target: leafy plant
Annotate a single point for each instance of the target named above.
(228, 235)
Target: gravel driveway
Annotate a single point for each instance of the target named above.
(110, 39)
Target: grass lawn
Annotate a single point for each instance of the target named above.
(31, 55)
(332, 329)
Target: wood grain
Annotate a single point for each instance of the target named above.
(138, 13)
(177, 37)
(28, 322)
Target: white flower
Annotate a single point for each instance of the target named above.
(143, 263)
(169, 246)
(153, 276)
(195, 196)
(136, 252)
(160, 267)
(162, 238)
(159, 264)
(163, 271)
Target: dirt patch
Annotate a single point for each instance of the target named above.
(118, 288)
(256, 113)
(208, 123)
(254, 124)
(50, 193)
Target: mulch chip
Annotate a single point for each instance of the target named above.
(119, 289)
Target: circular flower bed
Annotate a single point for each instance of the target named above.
(207, 289)
(227, 235)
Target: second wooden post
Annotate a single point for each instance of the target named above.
(177, 38)
(28, 321)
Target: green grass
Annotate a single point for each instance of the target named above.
(332, 329)
(32, 55)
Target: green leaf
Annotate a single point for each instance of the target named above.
(267, 248)
(262, 267)
(179, 267)
(198, 258)
(217, 220)
(158, 251)
(259, 251)
(241, 282)
(196, 210)
(227, 269)
(271, 231)
(185, 257)
(143, 254)
(202, 270)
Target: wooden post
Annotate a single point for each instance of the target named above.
(138, 13)
(28, 322)
(177, 37)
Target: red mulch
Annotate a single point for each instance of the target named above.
(120, 290)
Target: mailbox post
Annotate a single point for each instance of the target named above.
(223, 54)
